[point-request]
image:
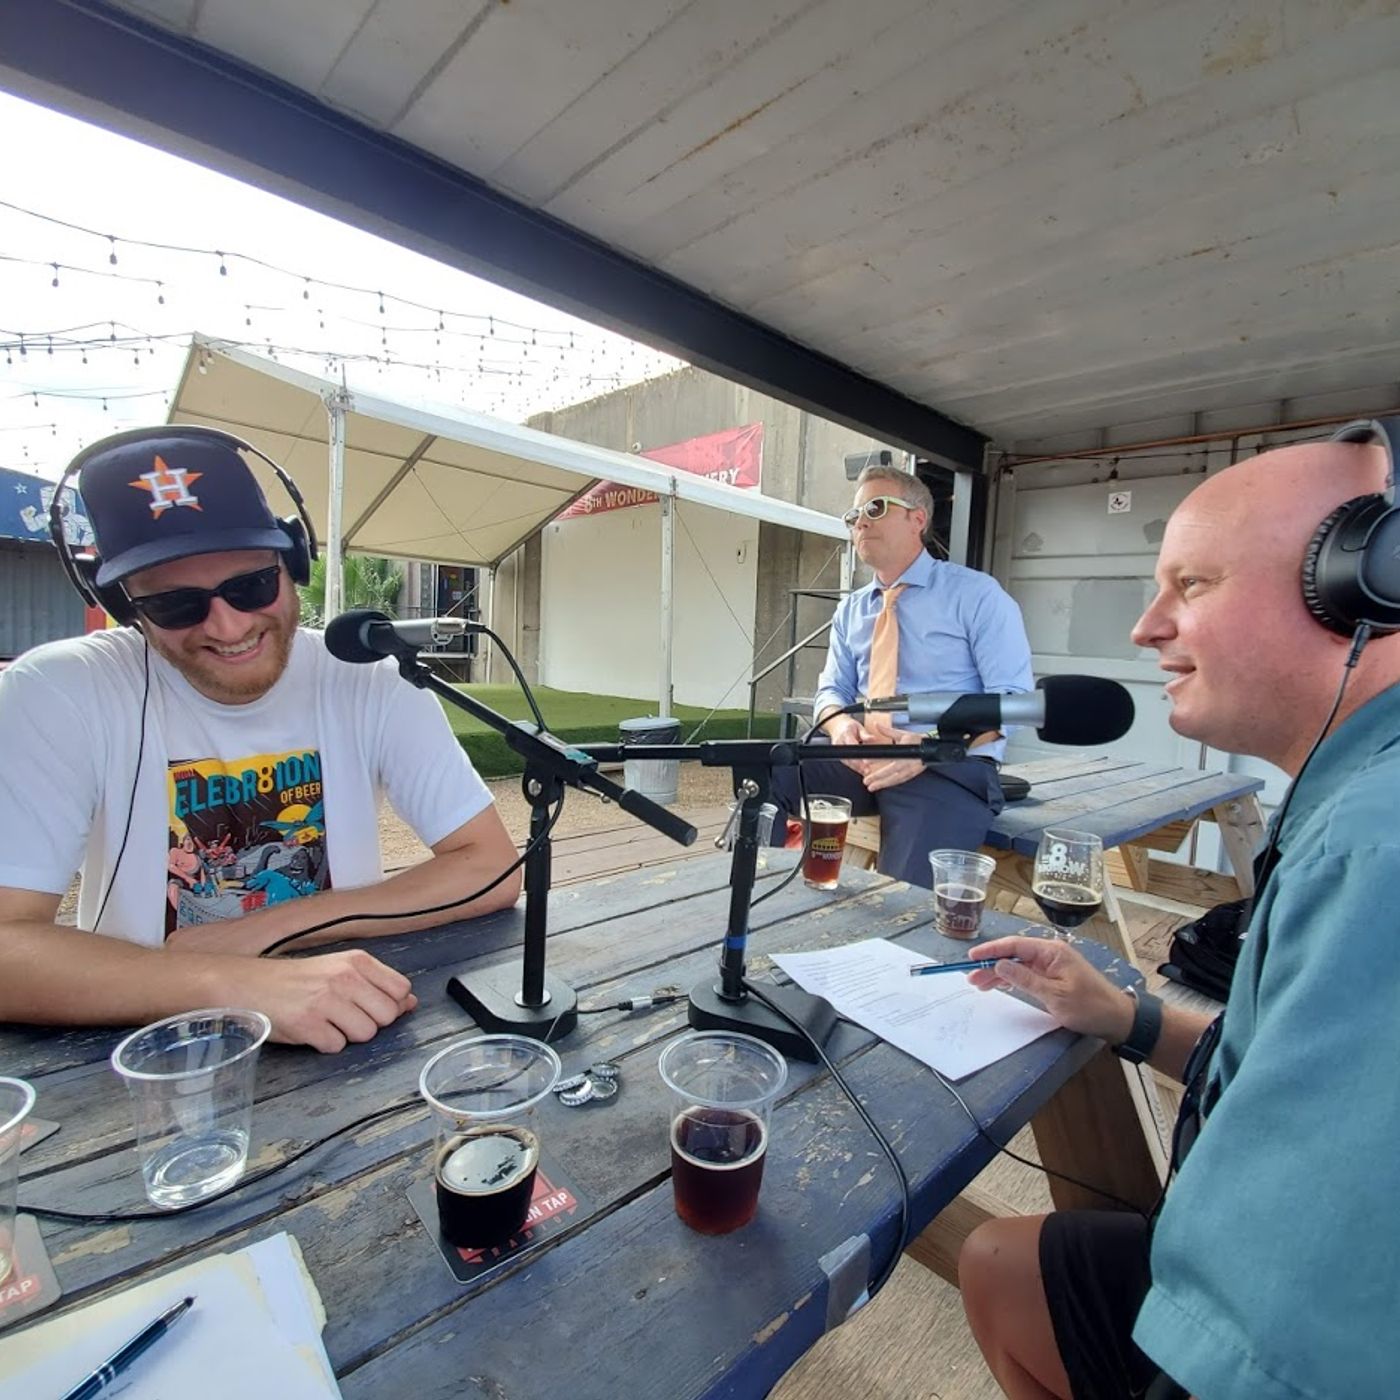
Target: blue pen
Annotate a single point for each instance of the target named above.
(924, 969)
(118, 1362)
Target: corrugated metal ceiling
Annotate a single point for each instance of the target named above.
(1040, 218)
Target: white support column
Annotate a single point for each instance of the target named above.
(848, 565)
(668, 582)
(337, 404)
(960, 529)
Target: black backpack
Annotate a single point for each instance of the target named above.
(1203, 953)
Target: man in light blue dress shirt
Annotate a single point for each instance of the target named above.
(959, 630)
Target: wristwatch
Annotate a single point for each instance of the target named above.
(1146, 1028)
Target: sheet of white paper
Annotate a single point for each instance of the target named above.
(942, 1021)
(229, 1346)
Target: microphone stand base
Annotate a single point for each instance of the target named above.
(711, 1012)
(492, 1003)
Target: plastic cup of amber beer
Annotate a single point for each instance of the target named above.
(723, 1086)
(829, 818)
(959, 891)
(482, 1092)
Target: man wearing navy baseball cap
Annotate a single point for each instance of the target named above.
(214, 773)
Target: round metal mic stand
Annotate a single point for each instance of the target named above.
(535, 1004)
(726, 1004)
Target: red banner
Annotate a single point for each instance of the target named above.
(734, 457)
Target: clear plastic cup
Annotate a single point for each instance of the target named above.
(190, 1078)
(16, 1101)
(960, 881)
(482, 1092)
(723, 1086)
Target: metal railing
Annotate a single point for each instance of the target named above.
(795, 647)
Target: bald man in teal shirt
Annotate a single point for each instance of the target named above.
(1272, 1272)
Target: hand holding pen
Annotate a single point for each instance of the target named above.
(1061, 979)
(120, 1360)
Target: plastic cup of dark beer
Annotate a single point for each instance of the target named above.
(829, 818)
(723, 1086)
(959, 891)
(482, 1092)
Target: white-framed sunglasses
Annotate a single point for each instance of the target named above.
(875, 509)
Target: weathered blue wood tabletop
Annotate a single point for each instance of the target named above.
(627, 1301)
(1115, 799)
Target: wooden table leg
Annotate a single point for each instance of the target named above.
(1090, 1131)
(1241, 826)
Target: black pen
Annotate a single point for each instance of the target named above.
(923, 969)
(118, 1362)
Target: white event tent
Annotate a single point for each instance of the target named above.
(385, 477)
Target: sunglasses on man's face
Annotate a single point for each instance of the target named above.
(875, 509)
(188, 607)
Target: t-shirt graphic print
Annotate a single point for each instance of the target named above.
(244, 834)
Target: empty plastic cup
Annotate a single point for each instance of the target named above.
(191, 1083)
(16, 1100)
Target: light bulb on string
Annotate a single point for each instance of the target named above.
(112, 254)
(306, 290)
(160, 293)
(223, 269)
(54, 283)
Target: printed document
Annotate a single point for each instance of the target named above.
(942, 1020)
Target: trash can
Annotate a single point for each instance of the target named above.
(653, 778)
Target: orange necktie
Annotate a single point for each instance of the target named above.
(884, 660)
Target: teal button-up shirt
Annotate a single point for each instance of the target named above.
(1276, 1260)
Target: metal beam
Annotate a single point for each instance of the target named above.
(108, 66)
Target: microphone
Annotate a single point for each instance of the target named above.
(1063, 709)
(362, 634)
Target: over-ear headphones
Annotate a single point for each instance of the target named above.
(82, 567)
(1351, 571)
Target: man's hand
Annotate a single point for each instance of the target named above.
(324, 1002)
(846, 729)
(1063, 981)
(891, 772)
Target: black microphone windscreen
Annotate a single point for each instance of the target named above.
(345, 635)
(1084, 710)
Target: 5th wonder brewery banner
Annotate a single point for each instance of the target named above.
(734, 456)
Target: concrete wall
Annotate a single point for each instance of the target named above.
(619, 563)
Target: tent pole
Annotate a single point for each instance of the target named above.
(668, 579)
(337, 401)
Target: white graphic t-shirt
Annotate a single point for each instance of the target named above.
(235, 807)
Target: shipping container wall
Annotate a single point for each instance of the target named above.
(36, 602)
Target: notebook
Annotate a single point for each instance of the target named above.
(254, 1330)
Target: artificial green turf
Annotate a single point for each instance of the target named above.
(582, 719)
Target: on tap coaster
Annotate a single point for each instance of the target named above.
(553, 1203)
(34, 1130)
(31, 1284)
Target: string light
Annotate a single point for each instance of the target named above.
(524, 362)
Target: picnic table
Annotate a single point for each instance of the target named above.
(1135, 808)
(625, 1300)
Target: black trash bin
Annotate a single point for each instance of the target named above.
(657, 779)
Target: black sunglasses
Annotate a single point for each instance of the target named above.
(188, 607)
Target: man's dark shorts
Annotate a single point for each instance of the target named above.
(1094, 1266)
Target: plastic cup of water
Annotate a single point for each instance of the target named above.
(190, 1078)
(16, 1100)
